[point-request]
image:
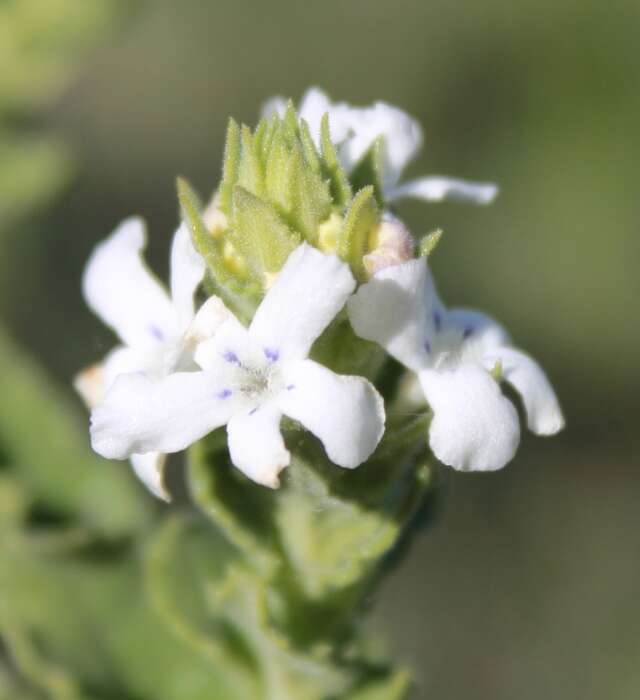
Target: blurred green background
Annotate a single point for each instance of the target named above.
(526, 583)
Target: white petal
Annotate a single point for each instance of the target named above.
(93, 382)
(478, 332)
(124, 360)
(187, 271)
(256, 446)
(149, 468)
(274, 105)
(140, 415)
(121, 290)
(544, 415)
(395, 309)
(314, 105)
(230, 345)
(345, 413)
(89, 383)
(211, 315)
(474, 427)
(402, 138)
(437, 189)
(309, 291)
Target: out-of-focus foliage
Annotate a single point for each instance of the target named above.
(41, 45)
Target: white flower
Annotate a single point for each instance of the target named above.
(454, 352)
(251, 378)
(354, 130)
(158, 331)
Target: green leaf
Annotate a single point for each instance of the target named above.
(359, 221)
(429, 243)
(336, 524)
(238, 507)
(259, 234)
(309, 147)
(294, 185)
(47, 443)
(89, 621)
(333, 171)
(230, 168)
(251, 174)
(241, 294)
(340, 349)
(394, 686)
(311, 200)
(279, 173)
(184, 562)
(32, 171)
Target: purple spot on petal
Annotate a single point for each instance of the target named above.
(224, 394)
(427, 346)
(253, 410)
(156, 333)
(467, 332)
(290, 387)
(437, 320)
(271, 355)
(230, 356)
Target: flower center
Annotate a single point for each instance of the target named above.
(256, 378)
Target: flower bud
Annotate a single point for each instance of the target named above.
(328, 233)
(390, 243)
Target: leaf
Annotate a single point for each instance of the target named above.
(429, 243)
(219, 608)
(360, 219)
(310, 197)
(251, 174)
(88, 618)
(335, 525)
(239, 508)
(309, 147)
(294, 185)
(184, 560)
(32, 171)
(240, 294)
(259, 234)
(394, 686)
(49, 452)
(230, 168)
(333, 171)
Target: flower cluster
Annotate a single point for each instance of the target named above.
(288, 261)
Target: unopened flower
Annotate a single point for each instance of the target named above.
(390, 243)
(456, 354)
(250, 379)
(354, 131)
(158, 330)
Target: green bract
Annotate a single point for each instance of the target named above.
(278, 190)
